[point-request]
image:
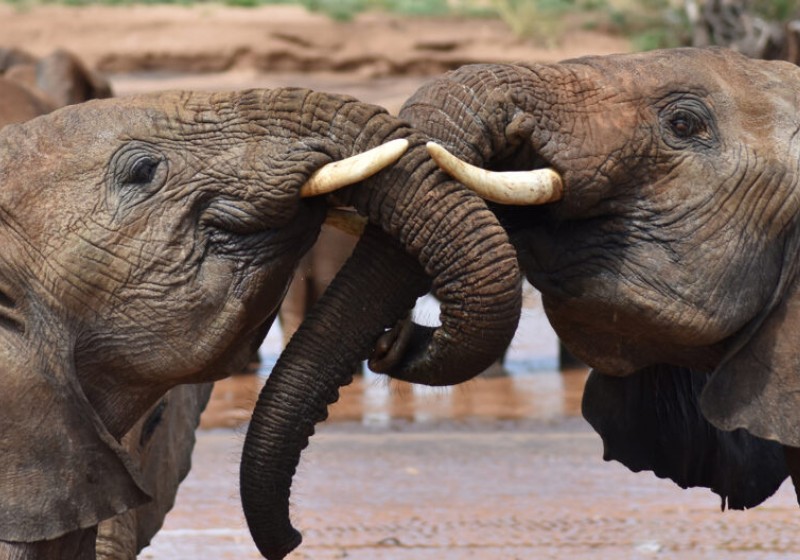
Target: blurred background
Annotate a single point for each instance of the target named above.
(500, 467)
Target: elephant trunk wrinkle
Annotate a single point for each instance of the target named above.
(307, 377)
(460, 244)
(430, 228)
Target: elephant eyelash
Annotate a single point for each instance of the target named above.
(142, 171)
(136, 172)
(685, 124)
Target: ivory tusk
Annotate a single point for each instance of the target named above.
(345, 172)
(520, 188)
(348, 221)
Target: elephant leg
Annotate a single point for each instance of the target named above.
(77, 545)
(332, 249)
(330, 252)
(792, 455)
(566, 359)
(317, 270)
(116, 537)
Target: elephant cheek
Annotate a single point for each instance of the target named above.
(594, 344)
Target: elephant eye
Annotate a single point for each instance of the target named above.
(684, 124)
(688, 123)
(142, 170)
(136, 171)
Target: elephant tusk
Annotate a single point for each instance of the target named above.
(345, 172)
(348, 221)
(508, 187)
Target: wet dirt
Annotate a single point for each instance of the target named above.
(497, 468)
(375, 401)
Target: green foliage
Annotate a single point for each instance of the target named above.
(340, 10)
(650, 24)
(542, 19)
(656, 24)
(416, 7)
(343, 10)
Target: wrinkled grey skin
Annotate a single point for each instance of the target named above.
(126, 224)
(674, 248)
(161, 442)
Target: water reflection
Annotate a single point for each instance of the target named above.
(526, 388)
(377, 401)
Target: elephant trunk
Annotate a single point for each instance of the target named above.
(460, 244)
(319, 359)
(426, 226)
(492, 115)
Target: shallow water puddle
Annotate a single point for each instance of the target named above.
(377, 401)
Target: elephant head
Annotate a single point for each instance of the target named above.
(161, 442)
(672, 253)
(147, 242)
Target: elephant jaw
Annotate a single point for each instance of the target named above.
(621, 346)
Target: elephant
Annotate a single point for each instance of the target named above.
(161, 445)
(12, 56)
(147, 243)
(30, 87)
(161, 442)
(666, 248)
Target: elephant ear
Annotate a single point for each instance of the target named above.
(60, 469)
(758, 386)
(165, 452)
(651, 420)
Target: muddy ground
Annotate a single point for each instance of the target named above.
(495, 469)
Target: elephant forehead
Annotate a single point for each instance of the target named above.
(45, 179)
(57, 162)
(756, 100)
(708, 70)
